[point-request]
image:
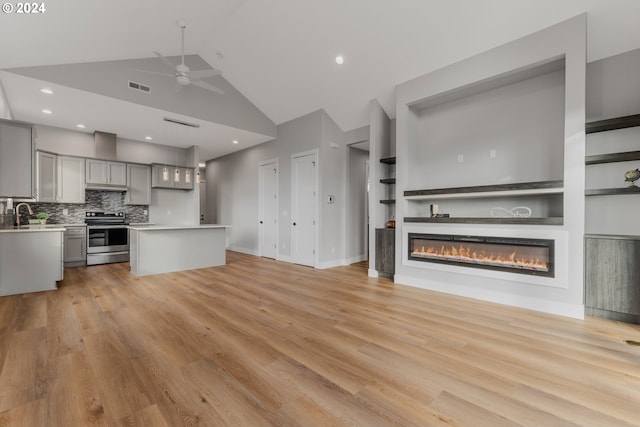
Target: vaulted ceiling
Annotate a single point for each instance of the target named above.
(277, 55)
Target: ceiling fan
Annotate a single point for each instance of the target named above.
(183, 75)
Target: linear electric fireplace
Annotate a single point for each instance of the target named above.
(515, 255)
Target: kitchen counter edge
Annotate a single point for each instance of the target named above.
(153, 227)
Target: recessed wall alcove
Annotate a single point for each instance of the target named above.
(498, 140)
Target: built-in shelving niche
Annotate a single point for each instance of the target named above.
(465, 140)
(611, 165)
(489, 204)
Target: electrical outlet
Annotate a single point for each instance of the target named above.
(492, 154)
(144, 211)
(460, 158)
(65, 212)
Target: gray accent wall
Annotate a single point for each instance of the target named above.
(5, 111)
(356, 204)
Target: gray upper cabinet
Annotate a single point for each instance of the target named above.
(59, 178)
(172, 177)
(16, 160)
(138, 184)
(47, 177)
(104, 172)
(71, 179)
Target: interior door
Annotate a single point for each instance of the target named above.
(303, 209)
(268, 208)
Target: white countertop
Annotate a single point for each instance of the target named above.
(155, 227)
(33, 228)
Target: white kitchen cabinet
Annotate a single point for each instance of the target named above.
(16, 159)
(104, 172)
(71, 179)
(138, 184)
(172, 177)
(47, 177)
(75, 246)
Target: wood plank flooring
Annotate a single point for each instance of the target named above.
(264, 343)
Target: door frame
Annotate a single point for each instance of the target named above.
(294, 156)
(275, 161)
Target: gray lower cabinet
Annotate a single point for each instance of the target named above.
(612, 277)
(75, 246)
(385, 251)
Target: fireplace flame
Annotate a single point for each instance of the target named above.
(467, 255)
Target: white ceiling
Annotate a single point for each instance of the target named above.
(280, 53)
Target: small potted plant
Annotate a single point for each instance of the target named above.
(43, 217)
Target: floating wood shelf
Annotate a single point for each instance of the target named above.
(387, 201)
(388, 181)
(613, 124)
(612, 157)
(488, 220)
(388, 160)
(519, 189)
(612, 191)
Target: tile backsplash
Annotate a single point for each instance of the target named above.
(108, 201)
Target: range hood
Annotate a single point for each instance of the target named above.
(105, 146)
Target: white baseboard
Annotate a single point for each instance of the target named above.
(545, 306)
(355, 259)
(284, 258)
(243, 250)
(330, 264)
(372, 273)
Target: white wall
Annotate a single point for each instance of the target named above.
(333, 181)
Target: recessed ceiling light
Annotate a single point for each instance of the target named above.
(81, 126)
(202, 165)
(235, 142)
(46, 111)
(339, 60)
(148, 138)
(46, 90)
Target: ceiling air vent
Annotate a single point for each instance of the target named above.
(139, 87)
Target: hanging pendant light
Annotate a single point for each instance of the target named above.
(187, 176)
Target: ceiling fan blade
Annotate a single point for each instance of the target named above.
(165, 60)
(207, 86)
(200, 74)
(154, 72)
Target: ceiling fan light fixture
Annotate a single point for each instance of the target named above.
(183, 80)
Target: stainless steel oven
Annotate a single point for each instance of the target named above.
(107, 238)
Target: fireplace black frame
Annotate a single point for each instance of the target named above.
(525, 242)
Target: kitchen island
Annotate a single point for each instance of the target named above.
(32, 259)
(158, 249)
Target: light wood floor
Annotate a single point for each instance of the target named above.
(260, 343)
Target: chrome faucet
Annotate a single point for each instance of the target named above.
(18, 211)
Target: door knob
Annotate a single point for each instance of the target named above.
(294, 223)
(260, 222)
